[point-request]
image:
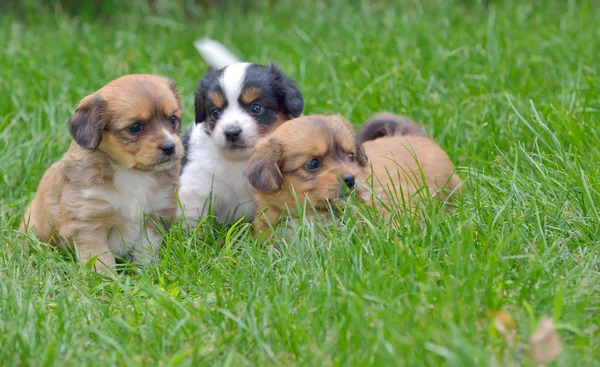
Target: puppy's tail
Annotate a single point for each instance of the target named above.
(215, 54)
(388, 124)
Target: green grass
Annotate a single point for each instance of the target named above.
(509, 89)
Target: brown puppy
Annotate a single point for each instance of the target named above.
(122, 164)
(314, 156)
(318, 157)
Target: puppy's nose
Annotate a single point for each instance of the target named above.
(168, 148)
(349, 180)
(233, 133)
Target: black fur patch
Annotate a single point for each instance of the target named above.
(279, 92)
(185, 140)
(202, 104)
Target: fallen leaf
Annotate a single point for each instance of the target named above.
(545, 343)
(504, 322)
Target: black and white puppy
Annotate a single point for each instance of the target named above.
(235, 106)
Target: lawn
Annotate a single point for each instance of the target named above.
(509, 89)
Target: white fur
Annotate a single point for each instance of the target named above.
(208, 170)
(233, 116)
(217, 55)
(132, 198)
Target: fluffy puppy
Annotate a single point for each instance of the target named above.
(314, 157)
(123, 163)
(235, 106)
(319, 158)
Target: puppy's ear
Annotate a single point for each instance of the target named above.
(263, 170)
(361, 155)
(287, 92)
(173, 87)
(200, 94)
(86, 124)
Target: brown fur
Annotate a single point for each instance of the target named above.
(62, 211)
(217, 98)
(401, 168)
(250, 95)
(276, 169)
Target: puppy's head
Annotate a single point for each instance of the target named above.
(135, 120)
(316, 156)
(242, 102)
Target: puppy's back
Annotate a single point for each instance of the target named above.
(388, 124)
(404, 159)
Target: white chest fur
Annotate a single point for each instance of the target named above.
(135, 194)
(210, 180)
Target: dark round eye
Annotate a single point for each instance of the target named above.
(313, 165)
(135, 128)
(174, 120)
(215, 113)
(351, 157)
(256, 108)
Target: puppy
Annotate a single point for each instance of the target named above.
(235, 106)
(123, 163)
(319, 158)
(314, 157)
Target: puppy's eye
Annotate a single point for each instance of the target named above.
(135, 128)
(215, 113)
(256, 108)
(351, 157)
(313, 165)
(174, 120)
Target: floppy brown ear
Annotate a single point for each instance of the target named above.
(361, 155)
(85, 125)
(173, 87)
(263, 170)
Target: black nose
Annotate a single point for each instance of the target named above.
(349, 180)
(233, 133)
(168, 148)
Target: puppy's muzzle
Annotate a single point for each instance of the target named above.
(168, 148)
(349, 180)
(348, 184)
(232, 134)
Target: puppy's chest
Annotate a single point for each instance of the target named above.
(134, 194)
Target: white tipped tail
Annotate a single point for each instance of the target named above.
(215, 54)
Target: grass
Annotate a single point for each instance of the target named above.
(508, 88)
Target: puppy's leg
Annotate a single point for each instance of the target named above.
(265, 222)
(94, 243)
(147, 252)
(195, 209)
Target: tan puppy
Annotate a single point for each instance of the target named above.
(318, 157)
(314, 156)
(122, 164)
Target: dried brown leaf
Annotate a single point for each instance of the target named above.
(545, 343)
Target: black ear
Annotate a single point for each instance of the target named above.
(85, 125)
(263, 170)
(287, 92)
(200, 94)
